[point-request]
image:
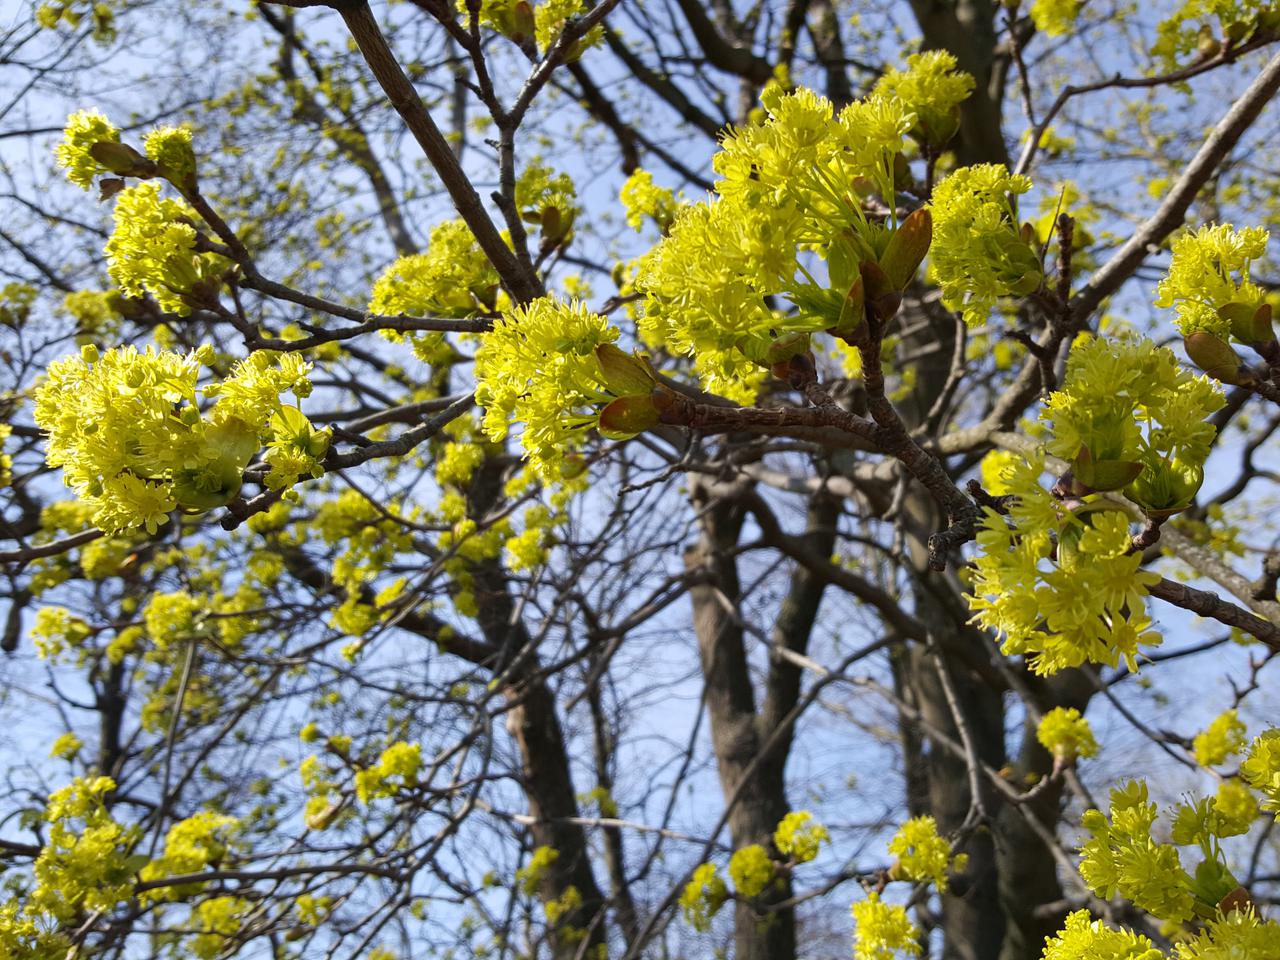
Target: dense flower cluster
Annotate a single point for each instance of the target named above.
(751, 870)
(922, 855)
(396, 769)
(453, 278)
(703, 896)
(1060, 607)
(932, 88)
(1262, 768)
(883, 931)
(1208, 281)
(128, 431)
(84, 129)
(1057, 578)
(791, 186)
(153, 251)
(642, 198)
(980, 253)
(1066, 734)
(1124, 857)
(553, 368)
(1082, 938)
(1223, 738)
(799, 836)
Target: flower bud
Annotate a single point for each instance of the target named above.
(623, 418)
(624, 373)
(906, 248)
(1214, 356)
(1249, 323)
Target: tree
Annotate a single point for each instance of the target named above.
(552, 479)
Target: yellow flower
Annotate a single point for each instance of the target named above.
(1223, 738)
(83, 130)
(702, 897)
(799, 836)
(751, 870)
(922, 855)
(1066, 734)
(883, 930)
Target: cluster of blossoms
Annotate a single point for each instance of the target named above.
(1208, 283)
(1056, 577)
(1124, 858)
(396, 769)
(1224, 737)
(643, 199)
(453, 278)
(799, 836)
(1067, 735)
(921, 855)
(1191, 28)
(793, 192)
(554, 368)
(541, 23)
(933, 87)
(548, 199)
(752, 868)
(883, 930)
(128, 431)
(980, 253)
(155, 246)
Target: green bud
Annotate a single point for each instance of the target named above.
(624, 373)
(623, 418)
(786, 347)
(212, 486)
(122, 159)
(881, 295)
(1165, 487)
(1207, 45)
(1214, 356)
(1101, 475)
(1249, 323)
(907, 248)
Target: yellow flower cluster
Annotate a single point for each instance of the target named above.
(1059, 586)
(1262, 768)
(1066, 734)
(84, 128)
(1057, 579)
(453, 278)
(751, 870)
(1084, 939)
(1130, 416)
(395, 770)
(933, 88)
(1055, 18)
(530, 876)
(642, 198)
(173, 153)
(703, 896)
(85, 863)
(539, 366)
(190, 846)
(128, 432)
(799, 836)
(1223, 738)
(1208, 281)
(883, 930)
(152, 251)
(784, 196)
(1124, 857)
(543, 22)
(922, 855)
(980, 253)
(548, 199)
